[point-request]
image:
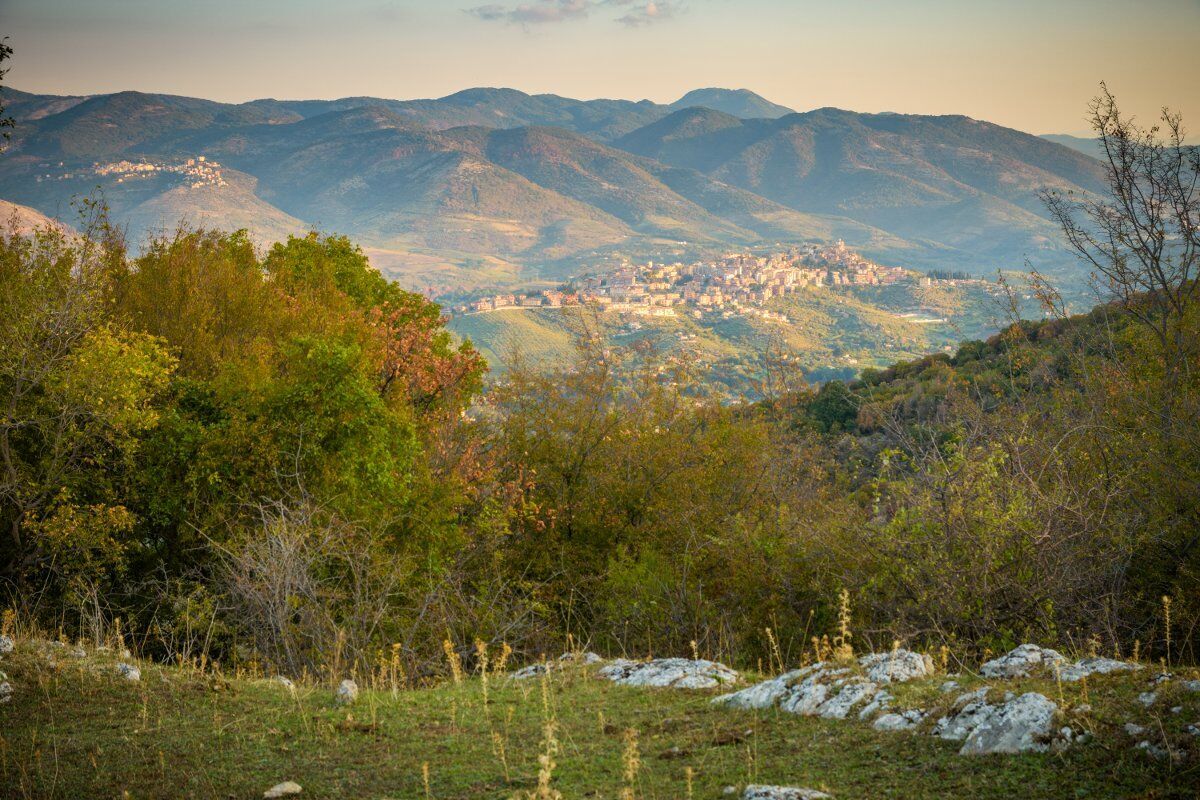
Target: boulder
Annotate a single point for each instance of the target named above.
(1022, 725)
(347, 692)
(566, 659)
(896, 666)
(6, 692)
(901, 721)
(7, 645)
(782, 793)
(530, 671)
(285, 789)
(676, 673)
(1095, 666)
(129, 672)
(285, 682)
(1021, 662)
(971, 709)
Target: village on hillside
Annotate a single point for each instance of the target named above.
(195, 172)
(737, 283)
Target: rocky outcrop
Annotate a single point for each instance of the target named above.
(902, 721)
(830, 691)
(898, 666)
(1021, 662)
(676, 673)
(782, 793)
(1017, 725)
(1095, 666)
(566, 659)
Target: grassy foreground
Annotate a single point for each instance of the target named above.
(77, 730)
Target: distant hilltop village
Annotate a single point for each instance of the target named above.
(736, 282)
(196, 172)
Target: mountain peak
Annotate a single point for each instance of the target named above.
(737, 102)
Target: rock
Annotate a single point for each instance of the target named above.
(347, 692)
(782, 793)
(1095, 666)
(852, 692)
(1083, 708)
(530, 671)
(586, 658)
(1147, 698)
(765, 694)
(1176, 709)
(972, 709)
(902, 721)
(285, 682)
(1193, 729)
(1020, 662)
(285, 789)
(1161, 677)
(129, 672)
(1021, 725)
(1153, 750)
(78, 652)
(1133, 729)
(6, 692)
(7, 645)
(729, 791)
(948, 687)
(880, 702)
(676, 673)
(1192, 686)
(897, 666)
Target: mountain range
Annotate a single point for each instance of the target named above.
(494, 186)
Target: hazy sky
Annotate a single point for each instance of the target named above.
(1031, 64)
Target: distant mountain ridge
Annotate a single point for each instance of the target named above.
(737, 102)
(489, 183)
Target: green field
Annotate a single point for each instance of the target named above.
(76, 730)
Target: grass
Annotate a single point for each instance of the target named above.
(76, 730)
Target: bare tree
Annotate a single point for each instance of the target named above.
(1143, 238)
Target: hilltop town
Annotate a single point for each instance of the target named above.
(195, 172)
(737, 283)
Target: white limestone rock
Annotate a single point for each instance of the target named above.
(1022, 725)
(1133, 729)
(900, 721)
(566, 659)
(1192, 686)
(347, 693)
(971, 709)
(948, 687)
(1095, 666)
(1147, 698)
(6, 691)
(896, 666)
(1021, 662)
(129, 672)
(530, 671)
(765, 694)
(7, 645)
(676, 673)
(879, 703)
(782, 793)
(851, 692)
(285, 789)
(285, 682)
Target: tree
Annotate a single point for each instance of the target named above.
(6, 120)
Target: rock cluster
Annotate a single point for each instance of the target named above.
(675, 673)
(830, 691)
(782, 793)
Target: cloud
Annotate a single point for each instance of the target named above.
(536, 13)
(649, 13)
(637, 13)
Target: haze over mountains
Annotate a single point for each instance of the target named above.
(486, 185)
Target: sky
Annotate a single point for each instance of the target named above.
(1028, 64)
